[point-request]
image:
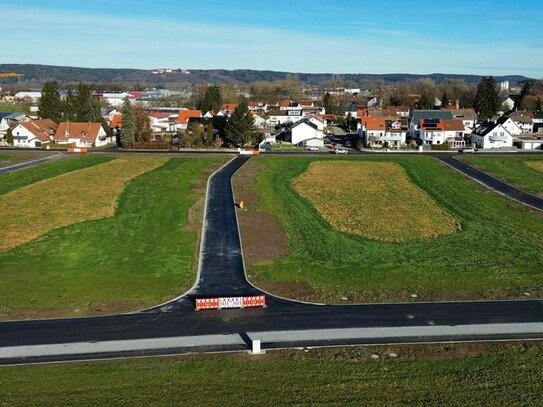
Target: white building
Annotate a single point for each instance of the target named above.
(82, 134)
(306, 133)
(34, 133)
(491, 135)
(34, 97)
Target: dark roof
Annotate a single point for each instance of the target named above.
(306, 121)
(485, 128)
(4, 114)
(416, 115)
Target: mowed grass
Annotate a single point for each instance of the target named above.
(504, 375)
(74, 197)
(498, 253)
(373, 200)
(18, 179)
(523, 172)
(142, 255)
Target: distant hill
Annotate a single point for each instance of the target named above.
(36, 75)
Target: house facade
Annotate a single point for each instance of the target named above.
(34, 133)
(82, 134)
(491, 135)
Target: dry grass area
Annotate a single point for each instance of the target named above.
(536, 165)
(375, 200)
(90, 193)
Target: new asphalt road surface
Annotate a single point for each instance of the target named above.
(175, 327)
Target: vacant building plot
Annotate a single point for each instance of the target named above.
(86, 194)
(520, 171)
(141, 255)
(375, 200)
(496, 250)
(16, 157)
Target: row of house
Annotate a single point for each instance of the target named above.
(36, 133)
(456, 128)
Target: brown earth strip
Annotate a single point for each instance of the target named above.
(262, 237)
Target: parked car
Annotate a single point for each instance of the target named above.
(312, 148)
(340, 151)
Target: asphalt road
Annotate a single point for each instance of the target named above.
(221, 273)
(492, 183)
(30, 163)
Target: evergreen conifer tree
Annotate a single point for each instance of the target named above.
(128, 130)
(487, 99)
(240, 128)
(50, 105)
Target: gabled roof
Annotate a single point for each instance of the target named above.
(485, 128)
(185, 115)
(85, 131)
(304, 121)
(4, 114)
(41, 129)
(522, 116)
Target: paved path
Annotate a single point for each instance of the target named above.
(31, 163)
(492, 183)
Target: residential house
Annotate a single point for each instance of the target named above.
(523, 120)
(381, 133)
(278, 117)
(508, 104)
(305, 132)
(468, 117)
(491, 135)
(184, 115)
(34, 133)
(417, 115)
(116, 99)
(228, 108)
(82, 134)
(160, 121)
(508, 124)
(538, 122)
(440, 131)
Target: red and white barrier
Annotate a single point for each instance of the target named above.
(230, 302)
(77, 150)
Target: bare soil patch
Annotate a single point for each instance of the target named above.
(262, 237)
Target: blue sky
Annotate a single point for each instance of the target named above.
(418, 36)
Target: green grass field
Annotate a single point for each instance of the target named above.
(498, 252)
(18, 179)
(500, 375)
(141, 256)
(13, 108)
(514, 170)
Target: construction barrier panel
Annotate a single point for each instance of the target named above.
(230, 302)
(77, 150)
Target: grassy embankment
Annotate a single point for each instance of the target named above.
(142, 255)
(498, 253)
(451, 375)
(523, 172)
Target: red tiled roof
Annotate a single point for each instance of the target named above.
(41, 129)
(116, 120)
(229, 106)
(453, 125)
(185, 115)
(86, 131)
(374, 123)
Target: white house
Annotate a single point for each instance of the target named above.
(468, 117)
(529, 142)
(508, 104)
(306, 133)
(380, 133)
(82, 134)
(115, 99)
(34, 133)
(491, 135)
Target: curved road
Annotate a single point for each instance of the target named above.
(491, 182)
(175, 327)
